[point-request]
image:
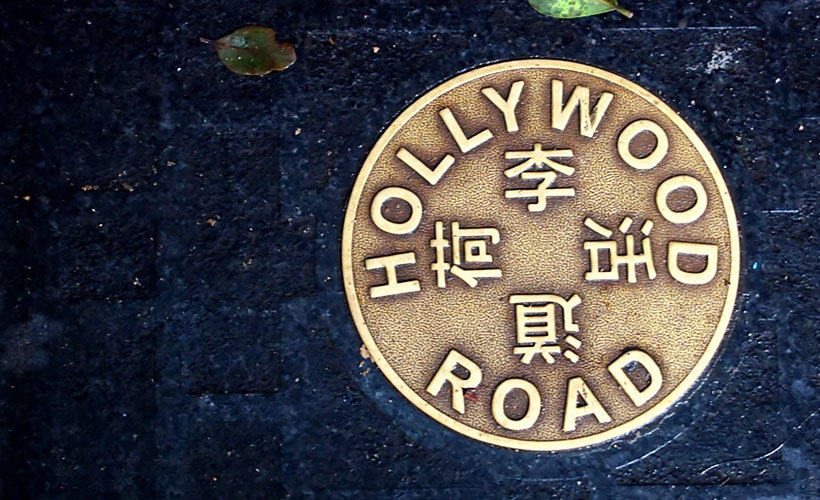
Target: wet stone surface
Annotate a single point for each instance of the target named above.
(172, 315)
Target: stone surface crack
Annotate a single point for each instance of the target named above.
(769, 453)
(676, 436)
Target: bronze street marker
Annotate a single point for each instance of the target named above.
(541, 255)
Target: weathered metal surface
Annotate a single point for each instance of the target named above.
(541, 255)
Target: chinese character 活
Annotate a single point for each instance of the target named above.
(629, 258)
(470, 259)
(536, 329)
(528, 170)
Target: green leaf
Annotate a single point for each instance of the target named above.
(253, 50)
(567, 9)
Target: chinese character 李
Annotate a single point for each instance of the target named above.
(528, 170)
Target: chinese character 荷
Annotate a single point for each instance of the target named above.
(470, 258)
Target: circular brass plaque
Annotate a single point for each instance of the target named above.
(540, 255)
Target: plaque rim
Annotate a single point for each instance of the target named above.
(644, 418)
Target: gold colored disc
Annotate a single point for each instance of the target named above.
(541, 255)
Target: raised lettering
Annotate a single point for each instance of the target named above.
(692, 213)
(578, 99)
(652, 159)
(400, 193)
(445, 374)
(507, 106)
(431, 176)
(393, 285)
(576, 387)
(638, 396)
(676, 248)
(533, 404)
(465, 144)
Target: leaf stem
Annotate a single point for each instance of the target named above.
(216, 43)
(621, 10)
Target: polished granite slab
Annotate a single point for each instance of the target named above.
(172, 319)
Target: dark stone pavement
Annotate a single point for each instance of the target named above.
(172, 320)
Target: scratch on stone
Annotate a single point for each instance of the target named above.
(655, 450)
(552, 480)
(781, 211)
(768, 454)
(676, 436)
(381, 31)
(689, 28)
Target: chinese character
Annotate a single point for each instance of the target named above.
(629, 259)
(536, 331)
(528, 170)
(469, 253)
